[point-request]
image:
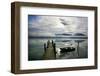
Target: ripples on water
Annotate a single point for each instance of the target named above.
(36, 47)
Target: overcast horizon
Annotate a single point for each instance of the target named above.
(52, 25)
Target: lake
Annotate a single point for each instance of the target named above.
(36, 47)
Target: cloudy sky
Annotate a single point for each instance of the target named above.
(51, 25)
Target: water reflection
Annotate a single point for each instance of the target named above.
(36, 48)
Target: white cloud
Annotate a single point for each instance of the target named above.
(50, 25)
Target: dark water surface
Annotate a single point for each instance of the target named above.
(36, 47)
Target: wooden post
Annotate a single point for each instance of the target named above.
(78, 48)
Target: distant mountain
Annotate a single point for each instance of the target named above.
(65, 34)
(70, 34)
(78, 34)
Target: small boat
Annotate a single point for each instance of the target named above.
(67, 49)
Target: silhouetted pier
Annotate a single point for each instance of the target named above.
(49, 50)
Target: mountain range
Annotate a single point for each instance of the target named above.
(70, 34)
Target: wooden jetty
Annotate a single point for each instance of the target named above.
(49, 50)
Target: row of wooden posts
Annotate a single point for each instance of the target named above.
(49, 50)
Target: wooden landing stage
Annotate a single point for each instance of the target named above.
(49, 51)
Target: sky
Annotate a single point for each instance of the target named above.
(50, 25)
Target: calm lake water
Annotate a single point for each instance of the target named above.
(36, 47)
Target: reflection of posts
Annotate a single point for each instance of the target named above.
(78, 48)
(49, 50)
(44, 47)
